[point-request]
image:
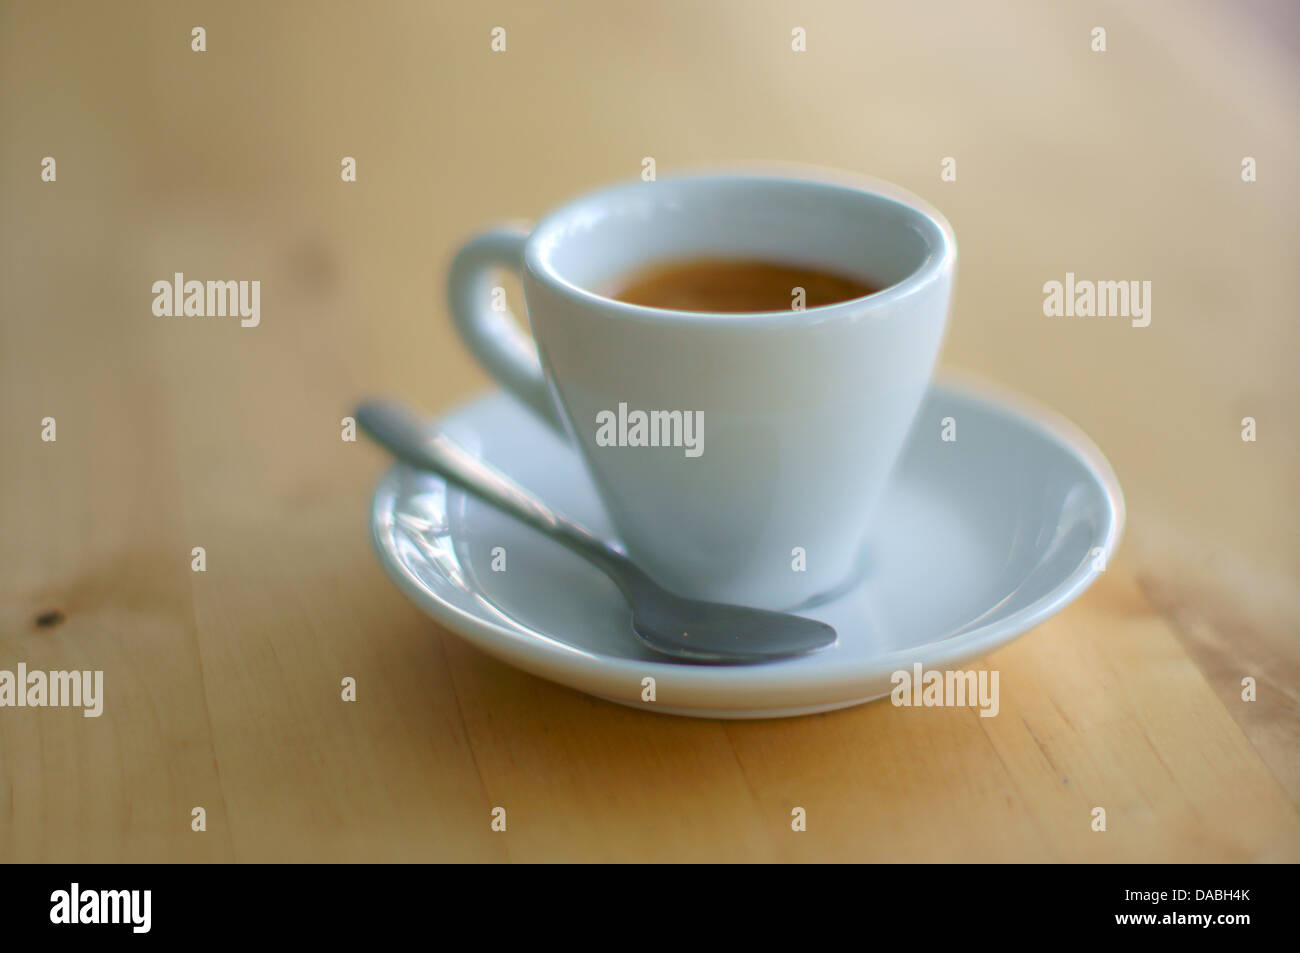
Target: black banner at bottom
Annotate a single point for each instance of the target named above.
(639, 904)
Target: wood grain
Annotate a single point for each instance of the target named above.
(223, 686)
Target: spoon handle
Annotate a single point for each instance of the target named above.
(407, 438)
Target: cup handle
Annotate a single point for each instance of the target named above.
(493, 337)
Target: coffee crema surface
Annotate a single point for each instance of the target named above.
(734, 286)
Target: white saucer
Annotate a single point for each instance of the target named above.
(976, 541)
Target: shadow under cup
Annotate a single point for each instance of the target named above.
(800, 414)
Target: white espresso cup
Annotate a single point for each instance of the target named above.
(787, 423)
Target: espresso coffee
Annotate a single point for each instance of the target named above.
(735, 286)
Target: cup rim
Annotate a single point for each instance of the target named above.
(935, 231)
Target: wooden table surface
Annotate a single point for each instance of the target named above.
(222, 687)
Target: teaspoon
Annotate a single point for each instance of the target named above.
(673, 625)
